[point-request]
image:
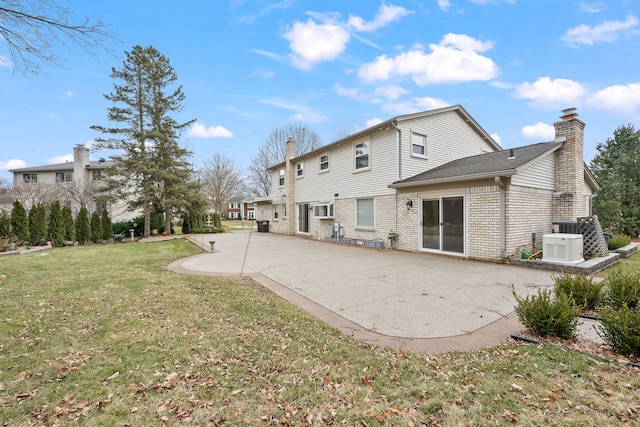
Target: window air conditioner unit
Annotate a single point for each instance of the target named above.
(559, 248)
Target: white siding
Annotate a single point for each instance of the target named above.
(449, 137)
(341, 178)
(539, 174)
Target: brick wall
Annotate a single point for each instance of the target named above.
(484, 223)
(528, 211)
(569, 202)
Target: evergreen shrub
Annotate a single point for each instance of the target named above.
(547, 316)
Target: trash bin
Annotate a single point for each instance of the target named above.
(263, 226)
(607, 237)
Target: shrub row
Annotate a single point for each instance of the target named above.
(617, 299)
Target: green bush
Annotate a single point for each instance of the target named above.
(620, 329)
(618, 241)
(624, 289)
(545, 316)
(586, 293)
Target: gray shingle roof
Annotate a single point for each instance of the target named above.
(498, 163)
(59, 167)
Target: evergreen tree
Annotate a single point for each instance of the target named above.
(616, 168)
(20, 222)
(107, 226)
(5, 225)
(186, 225)
(96, 227)
(83, 226)
(152, 168)
(56, 226)
(38, 224)
(69, 225)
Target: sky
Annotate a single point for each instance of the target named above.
(249, 66)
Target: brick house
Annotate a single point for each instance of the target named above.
(433, 181)
(240, 209)
(72, 183)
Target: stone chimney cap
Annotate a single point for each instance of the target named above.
(569, 113)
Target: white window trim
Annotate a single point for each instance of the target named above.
(423, 145)
(365, 227)
(281, 178)
(330, 210)
(321, 162)
(365, 168)
(300, 170)
(275, 213)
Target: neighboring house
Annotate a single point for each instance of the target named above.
(72, 183)
(433, 181)
(240, 209)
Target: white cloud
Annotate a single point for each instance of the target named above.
(444, 5)
(5, 63)
(59, 159)
(355, 94)
(263, 73)
(595, 7)
(372, 122)
(303, 113)
(454, 59)
(391, 91)
(617, 98)
(387, 13)
(605, 32)
(199, 130)
(267, 54)
(415, 105)
(67, 94)
(539, 131)
(557, 93)
(497, 138)
(312, 43)
(12, 164)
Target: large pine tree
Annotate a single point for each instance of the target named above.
(152, 169)
(56, 224)
(38, 224)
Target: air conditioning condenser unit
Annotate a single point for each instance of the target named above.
(560, 248)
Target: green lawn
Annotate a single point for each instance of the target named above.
(105, 335)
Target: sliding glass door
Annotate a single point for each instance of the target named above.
(443, 227)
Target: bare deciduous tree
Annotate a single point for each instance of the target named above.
(32, 194)
(221, 180)
(273, 151)
(32, 28)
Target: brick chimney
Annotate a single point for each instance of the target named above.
(568, 200)
(289, 183)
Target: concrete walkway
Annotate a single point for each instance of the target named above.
(420, 302)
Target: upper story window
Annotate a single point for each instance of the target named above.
(300, 170)
(361, 154)
(96, 176)
(275, 212)
(64, 176)
(418, 145)
(324, 163)
(29, 178)
(281, 180)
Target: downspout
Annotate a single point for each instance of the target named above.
(399, 163)
(503, 216)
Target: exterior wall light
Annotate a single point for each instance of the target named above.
(409, 204)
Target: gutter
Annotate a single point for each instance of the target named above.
(503, 216)
(484, 175)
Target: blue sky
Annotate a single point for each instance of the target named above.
(248, 66)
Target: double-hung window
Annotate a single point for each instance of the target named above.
(364, 213)
(29, 178)
(418, 145)
(281, 179)
(300, 170)
(361, 155)
(64, 176)
(275, 212)
(324, 163)
(96, 175)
